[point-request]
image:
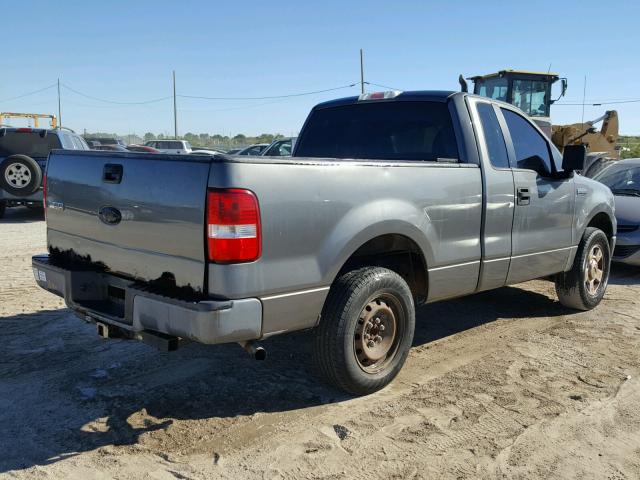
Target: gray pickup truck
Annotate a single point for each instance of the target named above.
(391, 199)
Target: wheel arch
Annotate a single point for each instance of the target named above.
(399, 252)
(603, 221)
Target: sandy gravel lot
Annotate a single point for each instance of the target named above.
(505, 384)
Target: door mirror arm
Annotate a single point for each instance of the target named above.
(537, 164)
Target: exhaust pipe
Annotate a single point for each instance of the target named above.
(256, 351)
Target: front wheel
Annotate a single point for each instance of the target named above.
(583, 287)
(365, 331)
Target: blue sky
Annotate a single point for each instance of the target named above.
(125, 51)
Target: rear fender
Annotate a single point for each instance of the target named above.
(369, 221)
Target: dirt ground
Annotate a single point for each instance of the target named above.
(505, 384)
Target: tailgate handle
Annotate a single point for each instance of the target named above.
(112, 173)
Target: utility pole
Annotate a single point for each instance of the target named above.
(361, 72)
(175, 108)
(59, 107)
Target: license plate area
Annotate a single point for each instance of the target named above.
(102, 293)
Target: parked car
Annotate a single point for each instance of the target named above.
(393, 199)
(280, 148)
(233, 151)
(170, 146)
(207, 149)
(205, 152)
(623, 178)
(23, 159)
(105, 141)
(142, 148)
(253, 149)
(110, 148)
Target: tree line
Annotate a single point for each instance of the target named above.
(195, 139)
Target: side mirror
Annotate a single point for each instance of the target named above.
(574, 157)
(562, 93)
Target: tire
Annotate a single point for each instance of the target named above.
(3, 208)
(20, 175)
(370, 301)
(578, 288)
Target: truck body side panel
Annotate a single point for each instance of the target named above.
(334, 207)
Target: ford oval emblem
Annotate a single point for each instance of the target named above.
(110, 215)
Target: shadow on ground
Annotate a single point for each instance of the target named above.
(69, 378)
(22, 215)
(622, 274)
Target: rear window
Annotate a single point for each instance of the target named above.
(28, 143)
(169, 145)
(380, 131)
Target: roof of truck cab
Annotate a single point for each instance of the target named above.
(417, 95)
(510, 71)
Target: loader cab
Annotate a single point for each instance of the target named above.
(529, 91)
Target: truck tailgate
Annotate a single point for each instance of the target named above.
(139, 215)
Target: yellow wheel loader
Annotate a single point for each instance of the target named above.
(531, 92)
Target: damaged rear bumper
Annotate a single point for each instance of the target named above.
(108, 299)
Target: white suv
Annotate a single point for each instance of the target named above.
(170, 146)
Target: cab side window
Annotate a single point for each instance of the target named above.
(496, 146)
(528, 143)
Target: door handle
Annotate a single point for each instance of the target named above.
(112, 173)
(524, 196)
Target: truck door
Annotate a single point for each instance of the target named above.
(543, 216)
(499, 193)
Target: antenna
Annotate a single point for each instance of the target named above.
(584, 94)
(361, 71)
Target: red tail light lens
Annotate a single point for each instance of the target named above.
(233, 226)
(44, 194)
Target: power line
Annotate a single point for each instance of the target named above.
(597, 104)
(228, 109)
(144, 102)
(271, 97)
(30, 93)
(381, 86)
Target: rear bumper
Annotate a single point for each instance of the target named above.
(105, 298)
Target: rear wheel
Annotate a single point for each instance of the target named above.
(365, 331)
(583, 287)
(20, 175)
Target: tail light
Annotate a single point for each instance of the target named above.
(233, 226)
(379, 95)
(44, 194)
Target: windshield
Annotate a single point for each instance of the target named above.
(623, 182)
(28, 143)
(380, 131)
(495, 88)
(531, 97)
(279, 149)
